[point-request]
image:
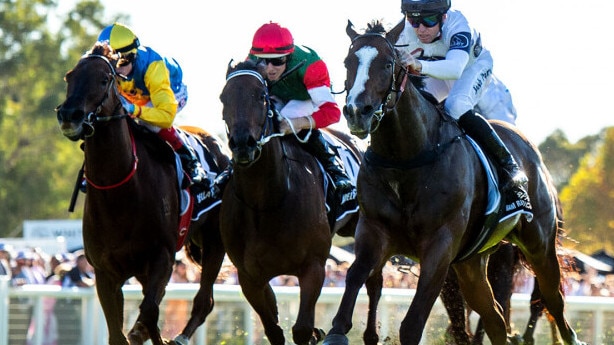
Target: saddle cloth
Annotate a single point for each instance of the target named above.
(351, 166)
(498, 208)
(203, 200)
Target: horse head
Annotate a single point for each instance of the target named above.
(372, 73)
(90, 91)
(247, 111)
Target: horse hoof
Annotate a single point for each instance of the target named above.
(336, 339)
(181, 340)
(318, 336)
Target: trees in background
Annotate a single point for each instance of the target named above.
(588, 198)
(38, 166)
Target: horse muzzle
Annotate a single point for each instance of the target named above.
(71, 123)
(359, 119)
(244, 152)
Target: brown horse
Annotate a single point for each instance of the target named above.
(132, 206)
(273, 216)
(419, 194)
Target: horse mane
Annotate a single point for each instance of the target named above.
(251, 65)
(375, 27)
(103, 49)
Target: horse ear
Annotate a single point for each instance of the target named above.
(229, 68)
(349, 29)
(394, 33)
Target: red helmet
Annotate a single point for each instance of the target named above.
(272, 40)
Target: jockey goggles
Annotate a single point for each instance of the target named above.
(427, 21)
(276, 61)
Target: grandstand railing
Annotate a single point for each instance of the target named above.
(233, 318)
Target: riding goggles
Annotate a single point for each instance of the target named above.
(427, 21)
(276, 61)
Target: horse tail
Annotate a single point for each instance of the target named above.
(193, 252)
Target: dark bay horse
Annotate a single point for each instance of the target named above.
(132, 206)
(422, 194)
(273, 216)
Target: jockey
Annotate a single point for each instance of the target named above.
(439, 43)
(152, 92)
(299, 83)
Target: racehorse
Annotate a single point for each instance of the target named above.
(132, 206)
(273, 217)
(422, 193)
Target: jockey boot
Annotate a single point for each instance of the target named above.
(192, 165)
(321, 150)
(479, 129)
(189, 161)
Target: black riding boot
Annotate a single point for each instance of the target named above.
(320, 148)
(479, 129)
(192, 165)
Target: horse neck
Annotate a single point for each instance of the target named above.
(266, 182)
(108, 153)
(407, 129)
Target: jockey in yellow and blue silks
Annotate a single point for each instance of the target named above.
(152, 92)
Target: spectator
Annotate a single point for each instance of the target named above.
(81, 275)
(5, 260)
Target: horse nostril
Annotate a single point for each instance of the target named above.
(367, 109)
(251, 142)
(231, 143)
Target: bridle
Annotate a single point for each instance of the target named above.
(93, 117)
(268, 132)
(393, 94)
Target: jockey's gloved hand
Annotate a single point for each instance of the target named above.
(130, 107)
(409, 61)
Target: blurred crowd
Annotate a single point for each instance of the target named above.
(33, 266)
(68, 270)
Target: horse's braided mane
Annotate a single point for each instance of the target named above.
(102, 49)
(375, 27)
(246, 65)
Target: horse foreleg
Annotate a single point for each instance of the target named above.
(112, 301)
(479, 296)
(310, 282)
(262, 298)
(153, 283)
(212, 259)
(374, 291)
(369, 252)
(455, 306)
(433, 271)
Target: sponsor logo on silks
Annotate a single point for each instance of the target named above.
(348, 196)
(202, 196)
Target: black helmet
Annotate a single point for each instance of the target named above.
(416, 8)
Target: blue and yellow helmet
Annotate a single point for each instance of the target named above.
(120, 38)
